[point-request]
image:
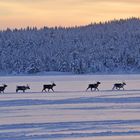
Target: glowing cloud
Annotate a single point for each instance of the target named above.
(22, 13)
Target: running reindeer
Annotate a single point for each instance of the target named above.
(95, 86)
(118, 86)
(2, 88)
(50, 86)
(22, 88)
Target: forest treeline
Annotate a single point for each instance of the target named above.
(109, 47)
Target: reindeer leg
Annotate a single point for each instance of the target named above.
(88, 88)
(113, 87)
(43, 89)
(118, 88)
(52, 90)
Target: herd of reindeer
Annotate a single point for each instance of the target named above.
(49, 87)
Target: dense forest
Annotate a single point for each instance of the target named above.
(109, 47)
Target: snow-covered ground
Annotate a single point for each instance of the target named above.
(70, 113)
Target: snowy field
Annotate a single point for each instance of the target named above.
(70, 113)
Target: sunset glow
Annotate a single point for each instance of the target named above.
(23, 13)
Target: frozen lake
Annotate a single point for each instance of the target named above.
(70, 113)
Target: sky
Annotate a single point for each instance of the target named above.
(39, 13)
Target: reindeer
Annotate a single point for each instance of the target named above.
(118, 86)
(23, 88)
(50, 86)
(95, 86)
(2, 88)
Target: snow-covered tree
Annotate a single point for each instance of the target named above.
(112, 46)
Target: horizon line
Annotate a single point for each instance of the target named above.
(72, 26)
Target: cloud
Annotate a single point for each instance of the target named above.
(111, 1)
(64, 12)
(75, 1)
(40, 3)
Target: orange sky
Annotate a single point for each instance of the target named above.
(23, 13)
